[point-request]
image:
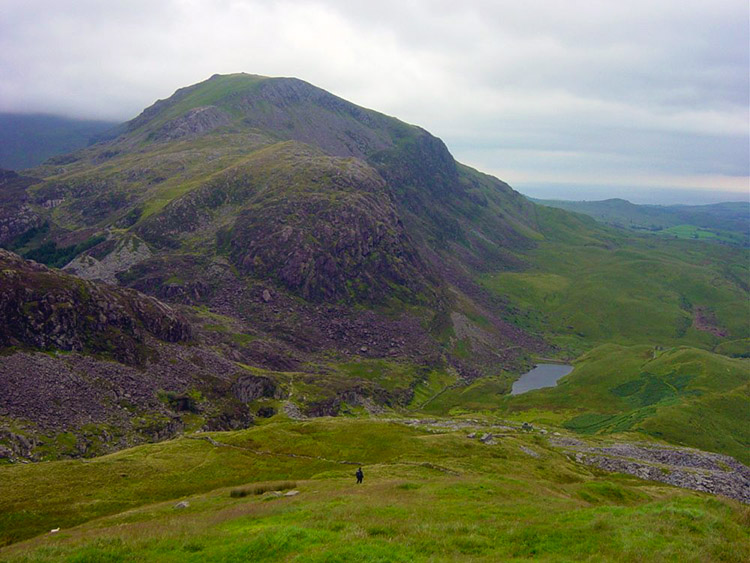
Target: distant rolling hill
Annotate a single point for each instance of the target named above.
(727, 222)
(27, 140)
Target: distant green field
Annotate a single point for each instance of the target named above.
(697, 233)
(426, 497)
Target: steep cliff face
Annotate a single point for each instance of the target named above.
(195, 122)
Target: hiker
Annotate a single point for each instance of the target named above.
(359, 475)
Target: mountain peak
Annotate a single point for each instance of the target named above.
(280, 108)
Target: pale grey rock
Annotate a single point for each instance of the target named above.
(128, 252)
(682, 467)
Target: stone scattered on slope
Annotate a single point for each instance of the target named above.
(127, 252)
(292, 411)
(682, 467)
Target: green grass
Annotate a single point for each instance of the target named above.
(390, 375)
(480, 396)
(693, 232)
(496, 503)
(219, 90)
(587, 287)
(682, 395)
(430, 387)
(261, 489)
(736, 348)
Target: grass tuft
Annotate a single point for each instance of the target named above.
(263, 488)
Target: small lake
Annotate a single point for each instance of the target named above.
(543, 375)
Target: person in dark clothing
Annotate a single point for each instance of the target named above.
(359, 475)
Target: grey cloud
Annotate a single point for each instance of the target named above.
(652, 87)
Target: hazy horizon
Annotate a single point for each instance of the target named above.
(638, 195)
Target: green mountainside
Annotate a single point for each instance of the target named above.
(272, 283)
(585, 286)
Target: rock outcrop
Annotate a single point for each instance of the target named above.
(251, 387)
(195, 122)
(16, 215)
(127, 252)
(48, 310)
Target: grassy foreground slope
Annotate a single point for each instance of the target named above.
(428, 495)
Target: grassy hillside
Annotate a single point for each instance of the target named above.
(682, 395)
(588, 284)
(428, 496)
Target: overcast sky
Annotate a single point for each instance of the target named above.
(636, 93)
